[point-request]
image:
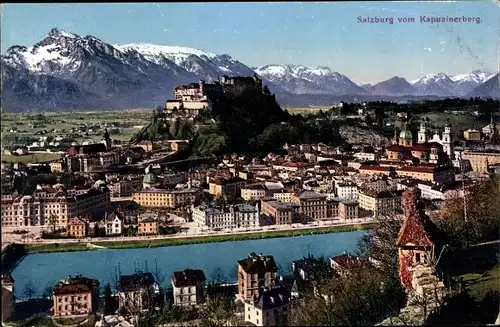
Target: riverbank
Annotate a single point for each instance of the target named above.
(176, 241)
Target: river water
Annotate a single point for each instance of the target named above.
(44, 269)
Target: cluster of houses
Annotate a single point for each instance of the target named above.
(268, 298)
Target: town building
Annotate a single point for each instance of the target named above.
(344, 263)
(314, 206)
(253, 192)
(136, 292)
(281, 213)
(348, 210)
(445, 138)
(481, 160)
(270, 308)
(472, 135)
(147, 146)
(113, 224)
(305, 268)
(419, 241)
(53, 206)
(255, 272)
(386, 203)
(163, 198)
(78, 227)
(429, 172)
(345, 189)
(188, 287)
(75, 296)
(228, 188)
(227, 217)
(8, 301)
(147, 226)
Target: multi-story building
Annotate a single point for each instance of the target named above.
(8, 301)
(229, 188)
(78, 227)
(188, 287)
(480, 161)
(253, 192)
(283, 196)
(75, 296)
(147, 226)
(136, 292)
(271, 308)
(172, 178)
(124, 186)
(113, 224)
(255, 272)
(345, 190)
(109, 159)
(230, 217)
(429, 172)
(314, 206)
(348, 210)
(280, 213)
(384, 203)
(53, 206)
(162, 198)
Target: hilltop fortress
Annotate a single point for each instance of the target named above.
(192, 98)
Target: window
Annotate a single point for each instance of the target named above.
(417, 257)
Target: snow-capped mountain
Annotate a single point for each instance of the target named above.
(307, 80)
(204, 64)
(488, 89)
(393, 86)
(464, 83)
(67, 71)
(434, 84)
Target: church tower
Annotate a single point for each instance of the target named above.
(422, 133)
(106, 140)
(447, 141)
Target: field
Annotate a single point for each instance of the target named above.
(64, 121)
(307, 110)
(31, 158)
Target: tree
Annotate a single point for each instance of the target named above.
(29, 290)
(48, 291)
(219, 310)
(53, 221)
(108, 300)
(483, 215)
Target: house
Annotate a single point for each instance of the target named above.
(419, 241)
(147, 226)
(22, 151)
(188, 287)
(78, 227)
(270, 308)
(255, 272)
(75, 296)
(305, 268)
(8, 301)
(114, 224)
(343, 263)
(146, 145)
(136, 292)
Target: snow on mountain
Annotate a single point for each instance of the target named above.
(488, 89)
(476, 76)
(205, 65)
(301, 79)
(434, 84)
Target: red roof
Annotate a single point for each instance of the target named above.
(398, 148)
(421, 147)
(376, 168)
(417, 169)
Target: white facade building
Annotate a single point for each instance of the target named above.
(235, 216)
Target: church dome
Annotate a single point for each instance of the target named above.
(150, 178)
(405, 134)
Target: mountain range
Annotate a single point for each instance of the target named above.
(65, 71)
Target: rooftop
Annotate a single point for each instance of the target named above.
(188, 277)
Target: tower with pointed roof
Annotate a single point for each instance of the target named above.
(106, 139)
(446, 140)
(419, 241)
(422, 133)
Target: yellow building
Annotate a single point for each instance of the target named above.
(161, 198)
(53, 206)
(230, 188)
(429, 172)
(253, 192)
(380, 203)
(75, 296)
(480, 161)
(472, 135)
(147, 226)
(78, 227)
(348, 210)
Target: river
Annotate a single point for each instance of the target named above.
(46, 269)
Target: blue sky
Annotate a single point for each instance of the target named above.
(312, 34)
